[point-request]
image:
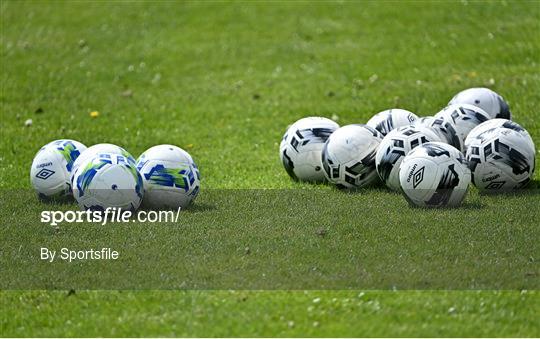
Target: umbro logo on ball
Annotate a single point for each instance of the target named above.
(44, 174)
(418, 176)
(495, 185)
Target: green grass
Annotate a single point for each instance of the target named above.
(283, 313)
(224, 80)
(273, 239)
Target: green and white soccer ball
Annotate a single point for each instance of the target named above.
(91, 151)
(52, 167)
(108, 180)
(170, 176)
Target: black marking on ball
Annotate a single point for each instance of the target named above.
(434, 150)
(504, 110)
(289, 165)
(449, 181)
(511, 157)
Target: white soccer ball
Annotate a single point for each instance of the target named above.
(386, 121)
(501, 159)
(171, 177)
(494, 123)
(395, 146)
(348, 156)
(464, 117)
(445, 130)
(108, 180)
(301, 147)
(91, 152)
(52, 166)
(434, 174)
(488, 100)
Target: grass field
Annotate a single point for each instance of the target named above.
(223, 81)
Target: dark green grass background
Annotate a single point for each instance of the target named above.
(224, 80)
(285, 239)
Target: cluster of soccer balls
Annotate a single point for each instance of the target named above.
(107, 176)
(432, 160)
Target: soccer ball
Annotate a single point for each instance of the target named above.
(348, 156)
(390, 119)
(108, 180)
(51, 168)
(171, 178)
(91, 151)
(494, 123)
(434, 174)
(492, 103)
(445, 130)
(464, 117)
(501, 159)
(395, 146)
(301, 147)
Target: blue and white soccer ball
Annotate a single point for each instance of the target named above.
(388, 120)
(108, 180)
(91, 151)
(464, 118)
(301, 147)
(395, 146)
(52, 166)
(348, 156)
(170, 176)
(501, 158)
(434, 174)
(488, 100)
